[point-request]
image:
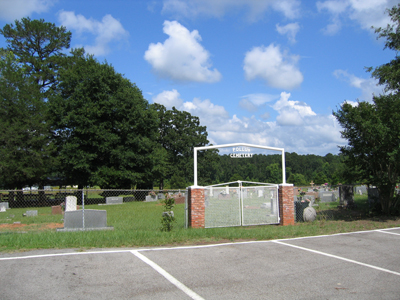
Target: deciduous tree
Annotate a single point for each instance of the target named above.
(103, 126)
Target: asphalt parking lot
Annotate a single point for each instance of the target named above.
(360, 265)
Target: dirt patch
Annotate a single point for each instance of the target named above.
(18, 226)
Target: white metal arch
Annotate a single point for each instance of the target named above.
(237, 145)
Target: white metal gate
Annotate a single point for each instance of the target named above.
(242, 205)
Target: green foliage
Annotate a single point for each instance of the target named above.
(25, 146)
(179, 133)
(372, 129)
(39, 46)
(103, 127)
(389, 74)
(168, 218)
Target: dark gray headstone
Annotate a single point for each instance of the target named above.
(94, 220)
(327, 196)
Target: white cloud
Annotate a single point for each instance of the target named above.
(181, 57)
(17, 9)
(254, 9)
(306, 133)
(105, 32)
(169, 99)
(290, 30)
(291, 112)
(366, 13)
(254, 102)
(278, 69)
(368, 87)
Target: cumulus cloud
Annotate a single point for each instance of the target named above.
(290, 30)
(169, 99)
(255, 102)
(291, 113)
(307, 133)
(105, 32)
(17, 9)
(277, 68)
(254, 9)
(369, 87)
(366, 13)
(181, 57)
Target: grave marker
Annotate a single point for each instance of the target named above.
(114, 200)
(70, 203)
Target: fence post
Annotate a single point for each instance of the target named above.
(196, 207)
(286, 204)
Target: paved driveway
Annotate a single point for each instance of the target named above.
(361, 265)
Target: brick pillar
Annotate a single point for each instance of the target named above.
(286, 204)
(196, 207)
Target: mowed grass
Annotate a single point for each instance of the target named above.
(137, 224)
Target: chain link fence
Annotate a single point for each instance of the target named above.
(87, 209)
(52, 197)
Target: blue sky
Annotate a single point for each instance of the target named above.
(262, 72)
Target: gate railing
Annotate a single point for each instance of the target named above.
(227, 206)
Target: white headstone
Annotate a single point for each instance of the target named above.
(2, 208)
(70, 203)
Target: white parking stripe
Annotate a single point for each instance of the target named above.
(339, 257)
(167, 276)
(388, 232)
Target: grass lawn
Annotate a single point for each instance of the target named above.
(137, 224)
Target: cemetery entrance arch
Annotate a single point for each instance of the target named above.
(253, 203)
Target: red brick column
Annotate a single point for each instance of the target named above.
(196, 207)
(286, 204)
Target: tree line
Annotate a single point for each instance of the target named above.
(70, 119)
(66, 118)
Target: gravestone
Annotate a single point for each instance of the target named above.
(361, 190)
(31, 213)
(4, 204)
(94, 220)
(160, 196)
(70, 203)
(2, 209)
(327, 196)
(56, 210)
(114, 200)
(151, 198)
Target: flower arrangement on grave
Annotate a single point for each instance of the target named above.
(62, 204)
(168, 219)
(152, 193)
(301, 195)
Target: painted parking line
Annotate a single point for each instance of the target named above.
(338, 257)
(167, 276)
(388, 232)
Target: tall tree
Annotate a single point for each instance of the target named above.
(372, 129)
(373, 134)
(179, 133)
(39, 46)
(103, 126)
(25, 147)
